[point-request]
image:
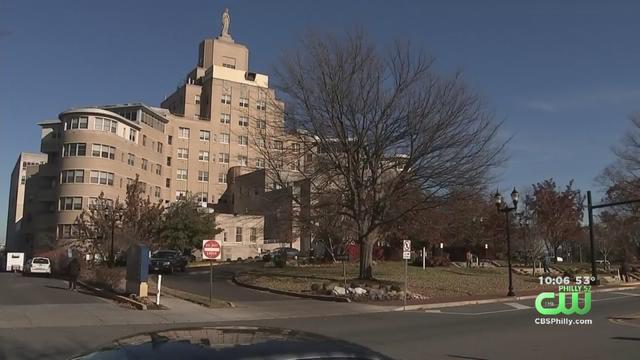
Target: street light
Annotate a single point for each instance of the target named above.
(503, 207)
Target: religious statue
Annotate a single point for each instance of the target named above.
(226, 19)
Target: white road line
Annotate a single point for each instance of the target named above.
(518, 306)
(627, 294)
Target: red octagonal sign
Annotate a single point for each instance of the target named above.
(211, 250)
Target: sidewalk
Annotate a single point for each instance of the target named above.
(476, 300)
(180, 311)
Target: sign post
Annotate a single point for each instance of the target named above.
(424, 258)
(406, 255)
(211, 250)
(159, 287)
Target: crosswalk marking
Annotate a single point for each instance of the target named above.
(518, 306)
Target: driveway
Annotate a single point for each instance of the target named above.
(196, 281)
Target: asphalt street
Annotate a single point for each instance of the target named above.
(196, 281)
(31, 290)
(491, 331)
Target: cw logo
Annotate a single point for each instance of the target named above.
(562, 306)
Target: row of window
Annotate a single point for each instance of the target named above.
(242, 102)
(253, 235)
(203, 176)
(107, 152)
(95, 177)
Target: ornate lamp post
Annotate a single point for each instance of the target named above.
(503, 207)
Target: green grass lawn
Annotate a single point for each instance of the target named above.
(432, 282)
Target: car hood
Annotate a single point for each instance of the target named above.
(231, 343)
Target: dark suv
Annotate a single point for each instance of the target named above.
(167, 261)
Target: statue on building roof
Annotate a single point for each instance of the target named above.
(226, 20)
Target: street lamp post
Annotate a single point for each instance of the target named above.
(506, 209)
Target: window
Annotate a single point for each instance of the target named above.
(102, 124)
(74, 149)
(202, 197)
(260, 163)
(295, 147)
(93, 201)
(156, 191)
(278, 164)
(101, 177)
(77, 123)
(261, 105)
(66, 231)
(144, 140)
(205, 135)
(197, 99)
(181, 174)
(224, 236)
(224, 138)
(260, 142)
(71, 203)
(184, 133)
(243, 140)
(180, 194)
(244, 121)
(222, 178)
(244, 102)
(225, 118)
(203, 176)
(242, 160)
(261, 124)
(277, 144)
(203, 155)
(133, 133)
(183, 153)
(238, 234)
(169, 139)
(223, 158)
(131, 159)
(158, 169)
(225, 99)
(72, 176)
(253, 236)
(105, 151)
(145, 164)
(167, 182)
(159, 147)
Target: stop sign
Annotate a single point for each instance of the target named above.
(211, 250)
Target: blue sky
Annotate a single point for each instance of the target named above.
(562, 75)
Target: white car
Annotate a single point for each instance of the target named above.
(38, 265)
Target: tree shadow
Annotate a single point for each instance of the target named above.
(625, 338)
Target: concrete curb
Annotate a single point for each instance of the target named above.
(109, 295)
(290, 293)
(498, 300)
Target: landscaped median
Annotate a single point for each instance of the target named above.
(428, 284)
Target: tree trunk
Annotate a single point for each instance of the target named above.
(366, 259)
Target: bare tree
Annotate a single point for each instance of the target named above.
(374, 127)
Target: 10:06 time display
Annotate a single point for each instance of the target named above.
(565, 280)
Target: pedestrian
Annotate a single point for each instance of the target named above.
(73, 270)
(624, 271)
(469, 259)
(545, 264)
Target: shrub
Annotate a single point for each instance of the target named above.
(108, 278)
(280, 261)
(438, 261)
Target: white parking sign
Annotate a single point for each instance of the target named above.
(406, 249)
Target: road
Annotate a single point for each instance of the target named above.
(196, 281)
(492, 331)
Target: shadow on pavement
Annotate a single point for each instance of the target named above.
(625, 338)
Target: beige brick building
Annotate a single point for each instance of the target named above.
(188, 144)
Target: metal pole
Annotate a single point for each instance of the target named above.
(594, 272)
(424, 258)
(406, 266)
(159, 287)
(210, 280)
(344, 273)
(510, 293)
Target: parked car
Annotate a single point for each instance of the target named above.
(290, 253)
(167, 261)
(38, 265)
